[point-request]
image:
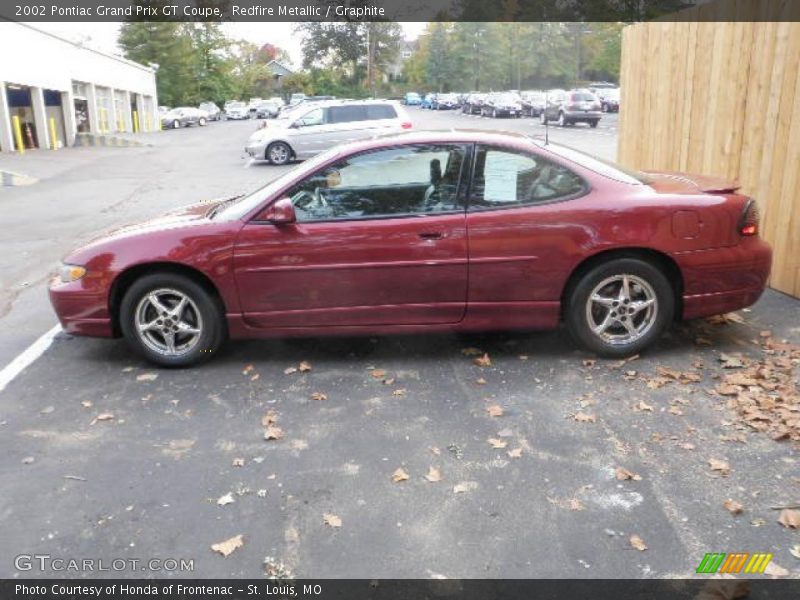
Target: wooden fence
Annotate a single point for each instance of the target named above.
(722, 98)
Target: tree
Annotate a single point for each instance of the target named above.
(166, 44)
(440, 65)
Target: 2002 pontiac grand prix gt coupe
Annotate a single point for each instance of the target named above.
(425, 232)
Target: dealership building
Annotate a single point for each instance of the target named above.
(51, 89)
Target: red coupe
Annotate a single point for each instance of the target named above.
(425, 232)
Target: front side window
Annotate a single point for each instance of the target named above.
(504, 178)
(315, 117)
(402, 181)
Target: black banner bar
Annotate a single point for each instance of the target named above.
(414, 589)
(398, 10)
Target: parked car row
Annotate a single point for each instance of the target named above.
(564, 106)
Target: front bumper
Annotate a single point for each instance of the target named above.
(81, 311)
(256, 149)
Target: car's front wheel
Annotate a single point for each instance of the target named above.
(201, 122)
(279, 153)
(171, 320)
(176, 124)
(620, 307)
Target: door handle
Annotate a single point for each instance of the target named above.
(431, 235)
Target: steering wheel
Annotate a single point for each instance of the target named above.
(319, 197)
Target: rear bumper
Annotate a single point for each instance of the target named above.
(581, 115)
(724, 279)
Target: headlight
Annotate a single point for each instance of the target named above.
(68, 273)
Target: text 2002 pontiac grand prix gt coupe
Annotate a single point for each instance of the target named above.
(425, 232)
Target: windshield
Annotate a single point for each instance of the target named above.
(606, 168)
(253, 200)
(236, 105)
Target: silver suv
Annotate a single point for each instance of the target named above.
(310, 128)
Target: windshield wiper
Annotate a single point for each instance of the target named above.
(222, 204)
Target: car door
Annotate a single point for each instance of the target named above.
(380, 239)
(310, 133)
(521, 237)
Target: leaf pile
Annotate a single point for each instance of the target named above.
(763, 393)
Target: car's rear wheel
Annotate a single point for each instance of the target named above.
(176, 124)
(201, 122)
(171, 320)
(620, 307)
(279, 153)
(593, 124)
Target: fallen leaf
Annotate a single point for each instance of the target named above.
(399, 392)
(332, 520)
(483, 361)
(733, 507)
(505, 433)
(399, 475)
(269, 419)
(515, 453)
(102, 417)
(435, 450)
(703, 341)
(773, 569)
(731, 361)
(624, 474)
(789, 518)
(86, 404)
(248, 369)
(434, 475)
(255, 377)
(378, 373)
(319, 396)
(675, 410)
(228, 546)
(642, 406)
(238, 462)
(471, 351)
(273, 433)
(150, 376)
(304, 367)
(289, 370)
(388, 381)
(480, 381)
(795, 551)
(582, 417)
(495, 410)
(720, 465)
(226, 499)
(465, 486)
(47, 411)
(637, 543)
(589, 362)
(523, 357)
(497, 444)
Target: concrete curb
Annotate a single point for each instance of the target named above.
(9, 179)
(91, 139)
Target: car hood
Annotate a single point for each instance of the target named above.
(685, 183)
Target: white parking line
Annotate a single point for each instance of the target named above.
(27, 358)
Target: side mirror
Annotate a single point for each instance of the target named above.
(280, 212)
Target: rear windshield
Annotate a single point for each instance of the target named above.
(602, 167)
(582, 97)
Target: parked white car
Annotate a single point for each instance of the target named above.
(236, 111)
(310, 128)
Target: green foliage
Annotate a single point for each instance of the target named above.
(483, 56)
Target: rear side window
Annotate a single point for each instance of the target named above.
(380, 111)
(504, 178)
(347, 114)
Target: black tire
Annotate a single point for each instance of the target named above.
(211, 321)
(176, 124)
(593, 124)
(576, 307)
(201, 122)
(278, 154)
(562, 120)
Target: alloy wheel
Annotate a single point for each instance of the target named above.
(621, 309)
(168, 322)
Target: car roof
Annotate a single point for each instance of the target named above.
(484, 136)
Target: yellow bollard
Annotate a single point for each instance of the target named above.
(53, 138)
(120, 123)
(135, 122)
(148, 122)
(18, 134)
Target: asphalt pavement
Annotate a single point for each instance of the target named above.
(395, 456)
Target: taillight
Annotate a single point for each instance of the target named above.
(748, 223)
(406, 125)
